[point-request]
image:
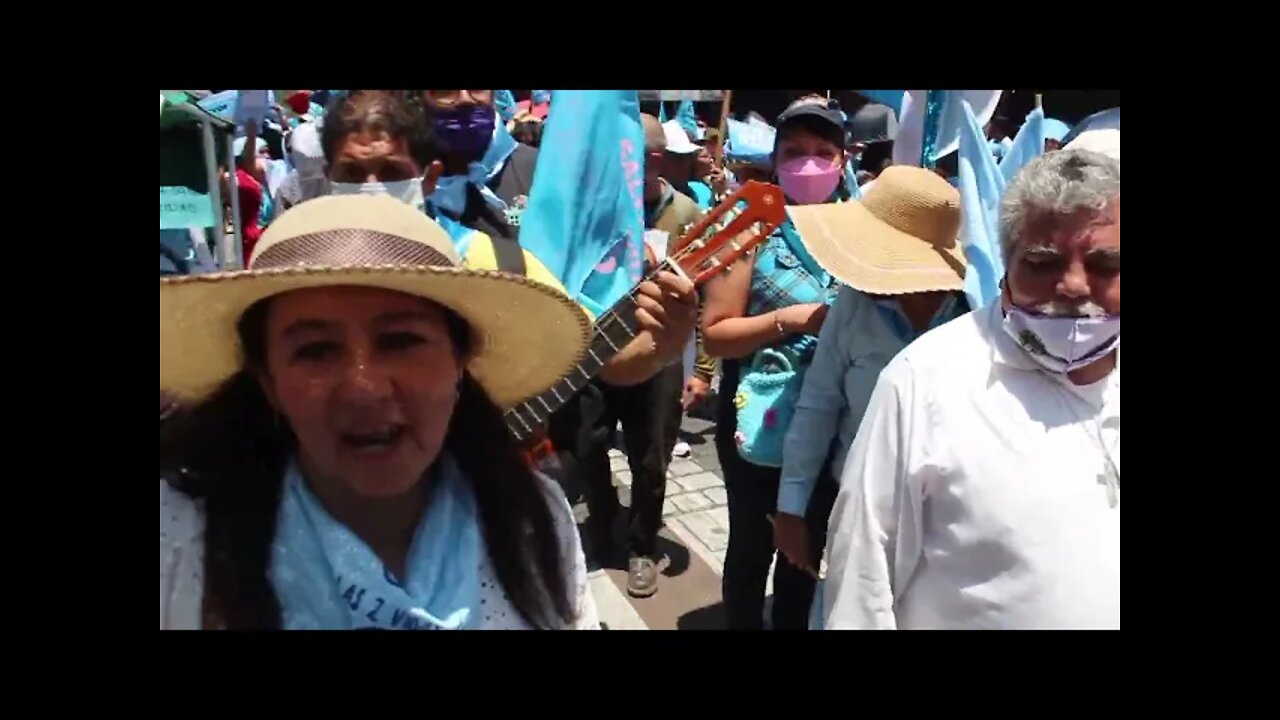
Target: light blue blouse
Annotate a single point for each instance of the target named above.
(859, 338)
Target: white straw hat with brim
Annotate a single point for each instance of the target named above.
(901, 237)
(525, 335)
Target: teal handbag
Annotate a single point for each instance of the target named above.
(784, 274)
(766, 402)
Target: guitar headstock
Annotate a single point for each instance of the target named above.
(742, 221)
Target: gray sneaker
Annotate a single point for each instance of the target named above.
(642, 577)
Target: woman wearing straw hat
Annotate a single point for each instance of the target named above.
(341, 461)
(896, 251)
(771, 306)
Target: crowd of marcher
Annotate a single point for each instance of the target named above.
(916, 375)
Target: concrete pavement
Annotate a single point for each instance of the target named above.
(693, 542)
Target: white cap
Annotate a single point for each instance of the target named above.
(677, 139)
(1104, 140)
(1100, 132)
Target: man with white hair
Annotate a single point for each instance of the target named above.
(983, 487)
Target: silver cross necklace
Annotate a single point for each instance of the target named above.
(1109, 478)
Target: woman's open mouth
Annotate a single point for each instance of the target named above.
(374, 443)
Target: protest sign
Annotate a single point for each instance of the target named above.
(251, 107)
(182, 207)
(749, 141)
(222, 104)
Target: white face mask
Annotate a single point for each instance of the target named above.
(407, 191)
(1063, 344)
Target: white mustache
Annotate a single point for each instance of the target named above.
(1058, 308)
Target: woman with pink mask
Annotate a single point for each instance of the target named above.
(763, 318)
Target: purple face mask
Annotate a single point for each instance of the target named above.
(466, 130)
(1063, 344)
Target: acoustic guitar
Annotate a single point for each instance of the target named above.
(712, 245)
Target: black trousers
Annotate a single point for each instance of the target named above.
(583, 433)
(752, 492)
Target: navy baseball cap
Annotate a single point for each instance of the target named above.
(828, 110)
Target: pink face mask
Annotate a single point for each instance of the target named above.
(809, 180)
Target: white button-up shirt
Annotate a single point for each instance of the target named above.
(981, 492)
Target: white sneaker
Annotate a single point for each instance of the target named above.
(681, 450)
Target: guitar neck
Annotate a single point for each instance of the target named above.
(754, 210)
(612, 331)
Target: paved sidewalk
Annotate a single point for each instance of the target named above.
(696, 533)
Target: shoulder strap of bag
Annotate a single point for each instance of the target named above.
(797, 247)
(509, 254)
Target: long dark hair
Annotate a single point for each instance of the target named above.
(231, 450)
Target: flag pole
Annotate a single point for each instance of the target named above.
(724, 123)
(718, 158)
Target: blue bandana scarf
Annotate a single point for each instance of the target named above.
(326, 578)
(451, 192)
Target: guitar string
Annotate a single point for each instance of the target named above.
(612, 316)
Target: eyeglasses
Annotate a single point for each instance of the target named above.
(449, 98)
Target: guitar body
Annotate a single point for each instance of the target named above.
(711, 246)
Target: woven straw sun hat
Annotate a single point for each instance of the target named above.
(525, 335)
(901, 237)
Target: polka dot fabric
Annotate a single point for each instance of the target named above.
(181, 559)
(182, 567)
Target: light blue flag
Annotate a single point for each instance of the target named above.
(892, 98)
(1027, 146)
(506, 104)
(662, 112)
(982, 184)
(1055, 129)
(585, 218)
(688, 119)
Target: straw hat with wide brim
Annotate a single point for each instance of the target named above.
(901, 237)
(525, 335)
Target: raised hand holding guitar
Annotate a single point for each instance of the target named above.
(744, 219)
(667, 309)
